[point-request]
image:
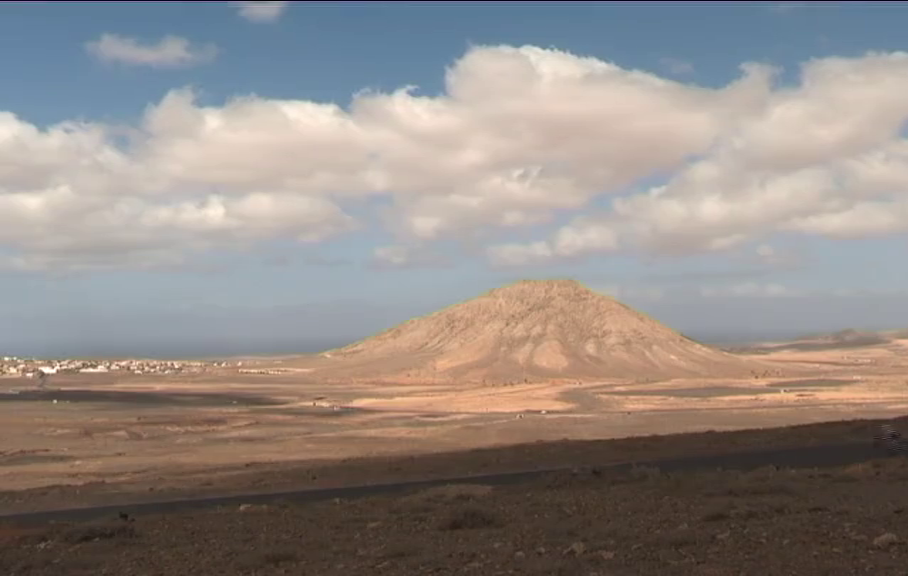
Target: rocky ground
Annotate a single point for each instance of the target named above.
(843, 521)
(162, 483)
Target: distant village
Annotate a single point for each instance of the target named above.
(15, 367)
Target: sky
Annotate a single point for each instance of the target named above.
(180, 179)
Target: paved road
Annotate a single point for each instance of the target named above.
(813, 457)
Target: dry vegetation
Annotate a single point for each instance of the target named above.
(843, 521)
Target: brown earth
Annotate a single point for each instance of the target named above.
(168, 481)
(783, 522)
(531, 331)
(118, 438)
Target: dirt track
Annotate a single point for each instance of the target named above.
(813, 457)
(290, 476)
(845, 521)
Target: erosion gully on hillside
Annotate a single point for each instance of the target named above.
(532, 330)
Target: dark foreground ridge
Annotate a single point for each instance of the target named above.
(824, 456)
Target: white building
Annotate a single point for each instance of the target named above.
(94, 370)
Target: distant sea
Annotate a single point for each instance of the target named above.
(171, 350)
(275, 347)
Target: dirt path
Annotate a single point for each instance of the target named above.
(835, 522)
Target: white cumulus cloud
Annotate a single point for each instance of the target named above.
(168, 52)
(262, 11)
(825, 157)
(520, 136)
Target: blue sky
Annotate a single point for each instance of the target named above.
(168, 223)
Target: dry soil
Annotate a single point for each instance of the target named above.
(838, 522)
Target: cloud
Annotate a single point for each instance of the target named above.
(261, 12)
(785, 7)
(569, 242)
(168, 52)
(825, 158)
(775, 290)
(640, 293)
(775, 258)
(397, 256)
(676, 66)
(393, 255)
(749, 290)
(519, 137)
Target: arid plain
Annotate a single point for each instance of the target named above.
(275, 424)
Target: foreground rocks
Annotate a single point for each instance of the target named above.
(844, 521)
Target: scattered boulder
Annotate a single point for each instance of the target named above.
(886, 540)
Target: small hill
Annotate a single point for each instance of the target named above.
(843, 339)
(851, 337)
(531, 331)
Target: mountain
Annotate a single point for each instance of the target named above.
(530, 331)
(843, 339)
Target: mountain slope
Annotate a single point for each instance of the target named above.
(532, 330)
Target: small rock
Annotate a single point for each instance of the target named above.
(519, 555)
(607, 554)
(577, 549)
(723, 535)
(373, 525)
(885, 540)
(540, 550)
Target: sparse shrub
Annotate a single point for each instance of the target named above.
(646, 473)
(716, 512)
(398, 550)
(681, 538)
(470, 518)
(428, 499)
(99, 531)
(279, 556)
(256, 559)
(763, 489)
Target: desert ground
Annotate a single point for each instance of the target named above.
(139, 438)
(544, 376)
(842, 521)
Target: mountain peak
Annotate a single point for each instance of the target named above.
(532, 330)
